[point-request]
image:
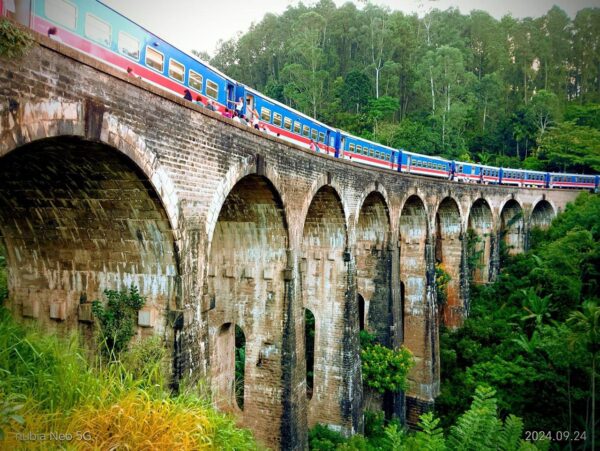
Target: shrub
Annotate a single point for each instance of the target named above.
(14, 41)
(385, 369)
(118, 319)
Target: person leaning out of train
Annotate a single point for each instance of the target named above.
(187, 95)
(239, 105)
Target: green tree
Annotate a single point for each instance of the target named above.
(570, 147)
(585, 325)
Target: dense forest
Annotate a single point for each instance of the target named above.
(509, 92)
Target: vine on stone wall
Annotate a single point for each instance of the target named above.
(14, 41)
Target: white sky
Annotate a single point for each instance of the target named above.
(200, 24)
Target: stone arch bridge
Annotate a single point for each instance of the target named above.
(106, 181)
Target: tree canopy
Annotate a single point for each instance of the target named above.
(520, 92)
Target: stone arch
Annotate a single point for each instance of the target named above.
(33, 121)
(373, 264)
(480, 229)
(79, 217)
(323, 181)
(542, 215)
(448, 256)
(245, 286)
(512, 226)
(370, 190)
(237, 172)
(323, 271)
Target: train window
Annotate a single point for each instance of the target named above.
(371, 152)
(277, 119)
(306, 130)
(62, 12)
(322, 137)
(176, 70)
(359, 149)
(212, 89)
(265, 114)
(154, 59)
(195, 80)
(287, 123)
(351, 148)
(297, 126)
(313, 134)
(98, 30)
(129, 46)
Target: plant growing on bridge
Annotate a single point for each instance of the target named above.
(474, 253)
(384, 369)
(117, 319)
(442, 279)
(14, 41)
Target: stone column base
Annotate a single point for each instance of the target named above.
(416, 407)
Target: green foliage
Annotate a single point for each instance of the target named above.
(442, 279)
(385, 369)
(322, 438)
(43, 368)
(117, 319)
(441, 83)
(9, 408)
(517, 338)
(47, 384)
(570, 147)
(240, 365)
(14, 41)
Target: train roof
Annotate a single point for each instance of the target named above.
(191, 55)
(278, 103)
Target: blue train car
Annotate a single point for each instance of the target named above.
(289, 124)
(578, 181)
(368, 152)
(103, 33)
(414, 163)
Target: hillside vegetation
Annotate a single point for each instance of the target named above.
(47, 385)
(509, 92)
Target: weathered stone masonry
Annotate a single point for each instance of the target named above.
(107, 181)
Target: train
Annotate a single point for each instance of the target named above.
(101, 32)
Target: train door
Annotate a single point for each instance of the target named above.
(229, 103)
(338, 143)
(408, 163)
(240, 93)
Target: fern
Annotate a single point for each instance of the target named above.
(477, 428)
(431, 437)
(510, 434)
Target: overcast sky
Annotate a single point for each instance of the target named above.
(200, 24)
